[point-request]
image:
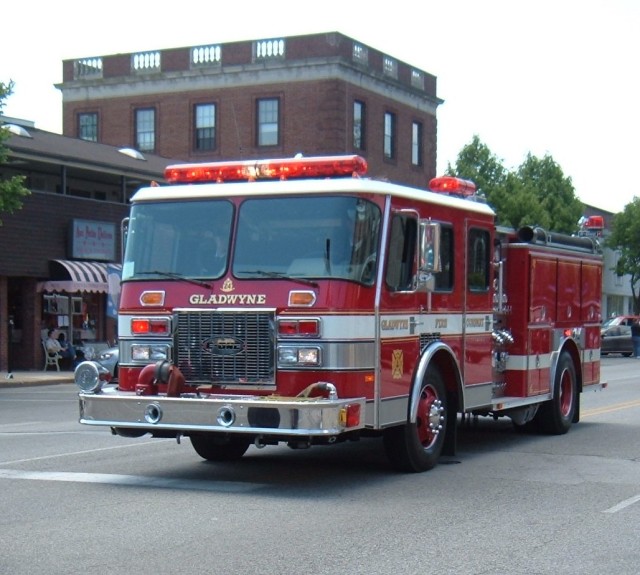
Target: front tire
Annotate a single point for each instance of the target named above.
(556, 416)
(219, 447)
(416, 447)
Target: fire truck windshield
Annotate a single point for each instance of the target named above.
(187, 239)
(299, 237)
(311, 236)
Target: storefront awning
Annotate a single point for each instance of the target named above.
(77, 276)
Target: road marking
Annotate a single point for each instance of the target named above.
(623, 504)
(609, 409)
(20, 423)
(131, 480)
(84, 452)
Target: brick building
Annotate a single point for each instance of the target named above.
(318, 94)
(57, 250)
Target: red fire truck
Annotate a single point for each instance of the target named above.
(299, 301)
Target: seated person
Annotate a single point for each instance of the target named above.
(67, 348)
(60, 346)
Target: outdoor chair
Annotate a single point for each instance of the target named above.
(51, 358)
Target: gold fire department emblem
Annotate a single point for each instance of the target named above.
(227, 286)
(397, 359)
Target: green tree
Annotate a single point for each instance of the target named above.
(536, 194)
(517, 204)
(12, 189)
(477, 163)
(625, 238)
(555, 192)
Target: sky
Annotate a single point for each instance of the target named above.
(540, 77)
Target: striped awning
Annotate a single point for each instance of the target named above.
(77, 276)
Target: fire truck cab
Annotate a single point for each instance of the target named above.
(299, 301)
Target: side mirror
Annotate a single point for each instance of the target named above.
(429, 257)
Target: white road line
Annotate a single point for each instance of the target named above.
(21, 423)
(55, 455)
(131, 480)
(623, 504)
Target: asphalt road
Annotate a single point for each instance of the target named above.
(78, 500)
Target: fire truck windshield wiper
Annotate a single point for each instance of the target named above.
(176, 276)
(281, 275)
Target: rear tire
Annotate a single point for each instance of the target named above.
(556, 416)
(416, 447)
(219, 447)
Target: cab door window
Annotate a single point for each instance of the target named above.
(403, 242)
(478, 255)
(444, 278)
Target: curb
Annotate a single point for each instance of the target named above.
(30, 379)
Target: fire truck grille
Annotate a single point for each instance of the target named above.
(226, 347)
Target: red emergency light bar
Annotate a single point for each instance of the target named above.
(280, 169)
(452, 185)
(594, 223)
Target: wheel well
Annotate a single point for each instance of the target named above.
(448, 367)
(572, 349)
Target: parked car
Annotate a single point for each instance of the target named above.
(615, 335)
(109, 359)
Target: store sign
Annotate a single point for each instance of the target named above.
(91, 240)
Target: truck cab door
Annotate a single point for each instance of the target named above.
(477, 321)
(400, 308)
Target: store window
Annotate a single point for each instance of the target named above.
(77, 316)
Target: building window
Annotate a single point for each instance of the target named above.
(389, 136)
(88, 127)
(146, 129)
(359, 123)
(205, 127)
(268, 116)
(416, 144)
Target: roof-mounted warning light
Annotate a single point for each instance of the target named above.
(452, 185)
(279, 169)
(594, 223)
(591, 226)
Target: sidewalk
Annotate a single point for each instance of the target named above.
(28, 378)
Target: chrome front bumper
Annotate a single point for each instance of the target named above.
(293, 416)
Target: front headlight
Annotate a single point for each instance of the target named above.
(149, 352)
(291, 356)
